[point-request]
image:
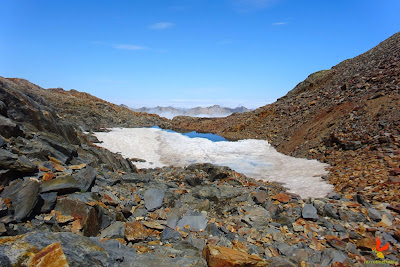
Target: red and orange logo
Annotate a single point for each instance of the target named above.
(378, 250)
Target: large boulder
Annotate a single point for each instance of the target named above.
(217, 256)
(20, 164)
(23, 195)
(87, 212)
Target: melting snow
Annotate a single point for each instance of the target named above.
(254, 158)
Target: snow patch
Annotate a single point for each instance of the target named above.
(254, 158)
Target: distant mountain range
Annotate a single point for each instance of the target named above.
(212, 111)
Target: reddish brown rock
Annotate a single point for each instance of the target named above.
(58, 167)
(135, 231)
(50, 256)
(48, 176)
(366, 243)
(89, 216)
(217, 256)
(282, 197)
(77, 167)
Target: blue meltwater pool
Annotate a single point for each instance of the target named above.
(194, 134)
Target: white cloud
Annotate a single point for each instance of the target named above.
(161, 25)
(128, 47)
(279, 23)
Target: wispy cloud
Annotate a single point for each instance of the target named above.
(251, 5)
(128, 47)
(279, 23)
(161, 25)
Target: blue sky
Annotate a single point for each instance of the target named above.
(186, 52)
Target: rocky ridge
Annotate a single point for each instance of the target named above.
(85, 111)
(347, 116)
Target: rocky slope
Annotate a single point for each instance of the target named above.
(347, 116)
(84, 110)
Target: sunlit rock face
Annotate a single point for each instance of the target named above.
(254, 158)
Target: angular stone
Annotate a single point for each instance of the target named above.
(282, 197)
(168, 234)
(77, 167)
(366, 243)
(89, 216)
(196, 221)
(153, 225)
(374, 214)
(309, 212)
(11, 161)
(217, 256)
(58, 167)
(153, 199)
(48, 176)
(135, 178)
(24, 196)
(115, 230)
(283, 220)
(260, 197)
(257, 217)
(280, 262)
(50, 256)
(49, 201)
(135, 231)
(110, 199)
(387, 220)
(330, 211)
(86, 178)
(63, 184)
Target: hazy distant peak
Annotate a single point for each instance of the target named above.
(211, 111)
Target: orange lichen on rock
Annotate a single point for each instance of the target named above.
(217, 256)
(50, 256)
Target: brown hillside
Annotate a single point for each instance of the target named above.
(85, 110)
(347, 116)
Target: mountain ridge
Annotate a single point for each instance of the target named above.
(211, 111)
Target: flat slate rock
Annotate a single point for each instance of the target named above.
(64, 184)
(153, 198)
(135, 178)
(195, 221)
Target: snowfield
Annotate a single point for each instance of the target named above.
(254, 158)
